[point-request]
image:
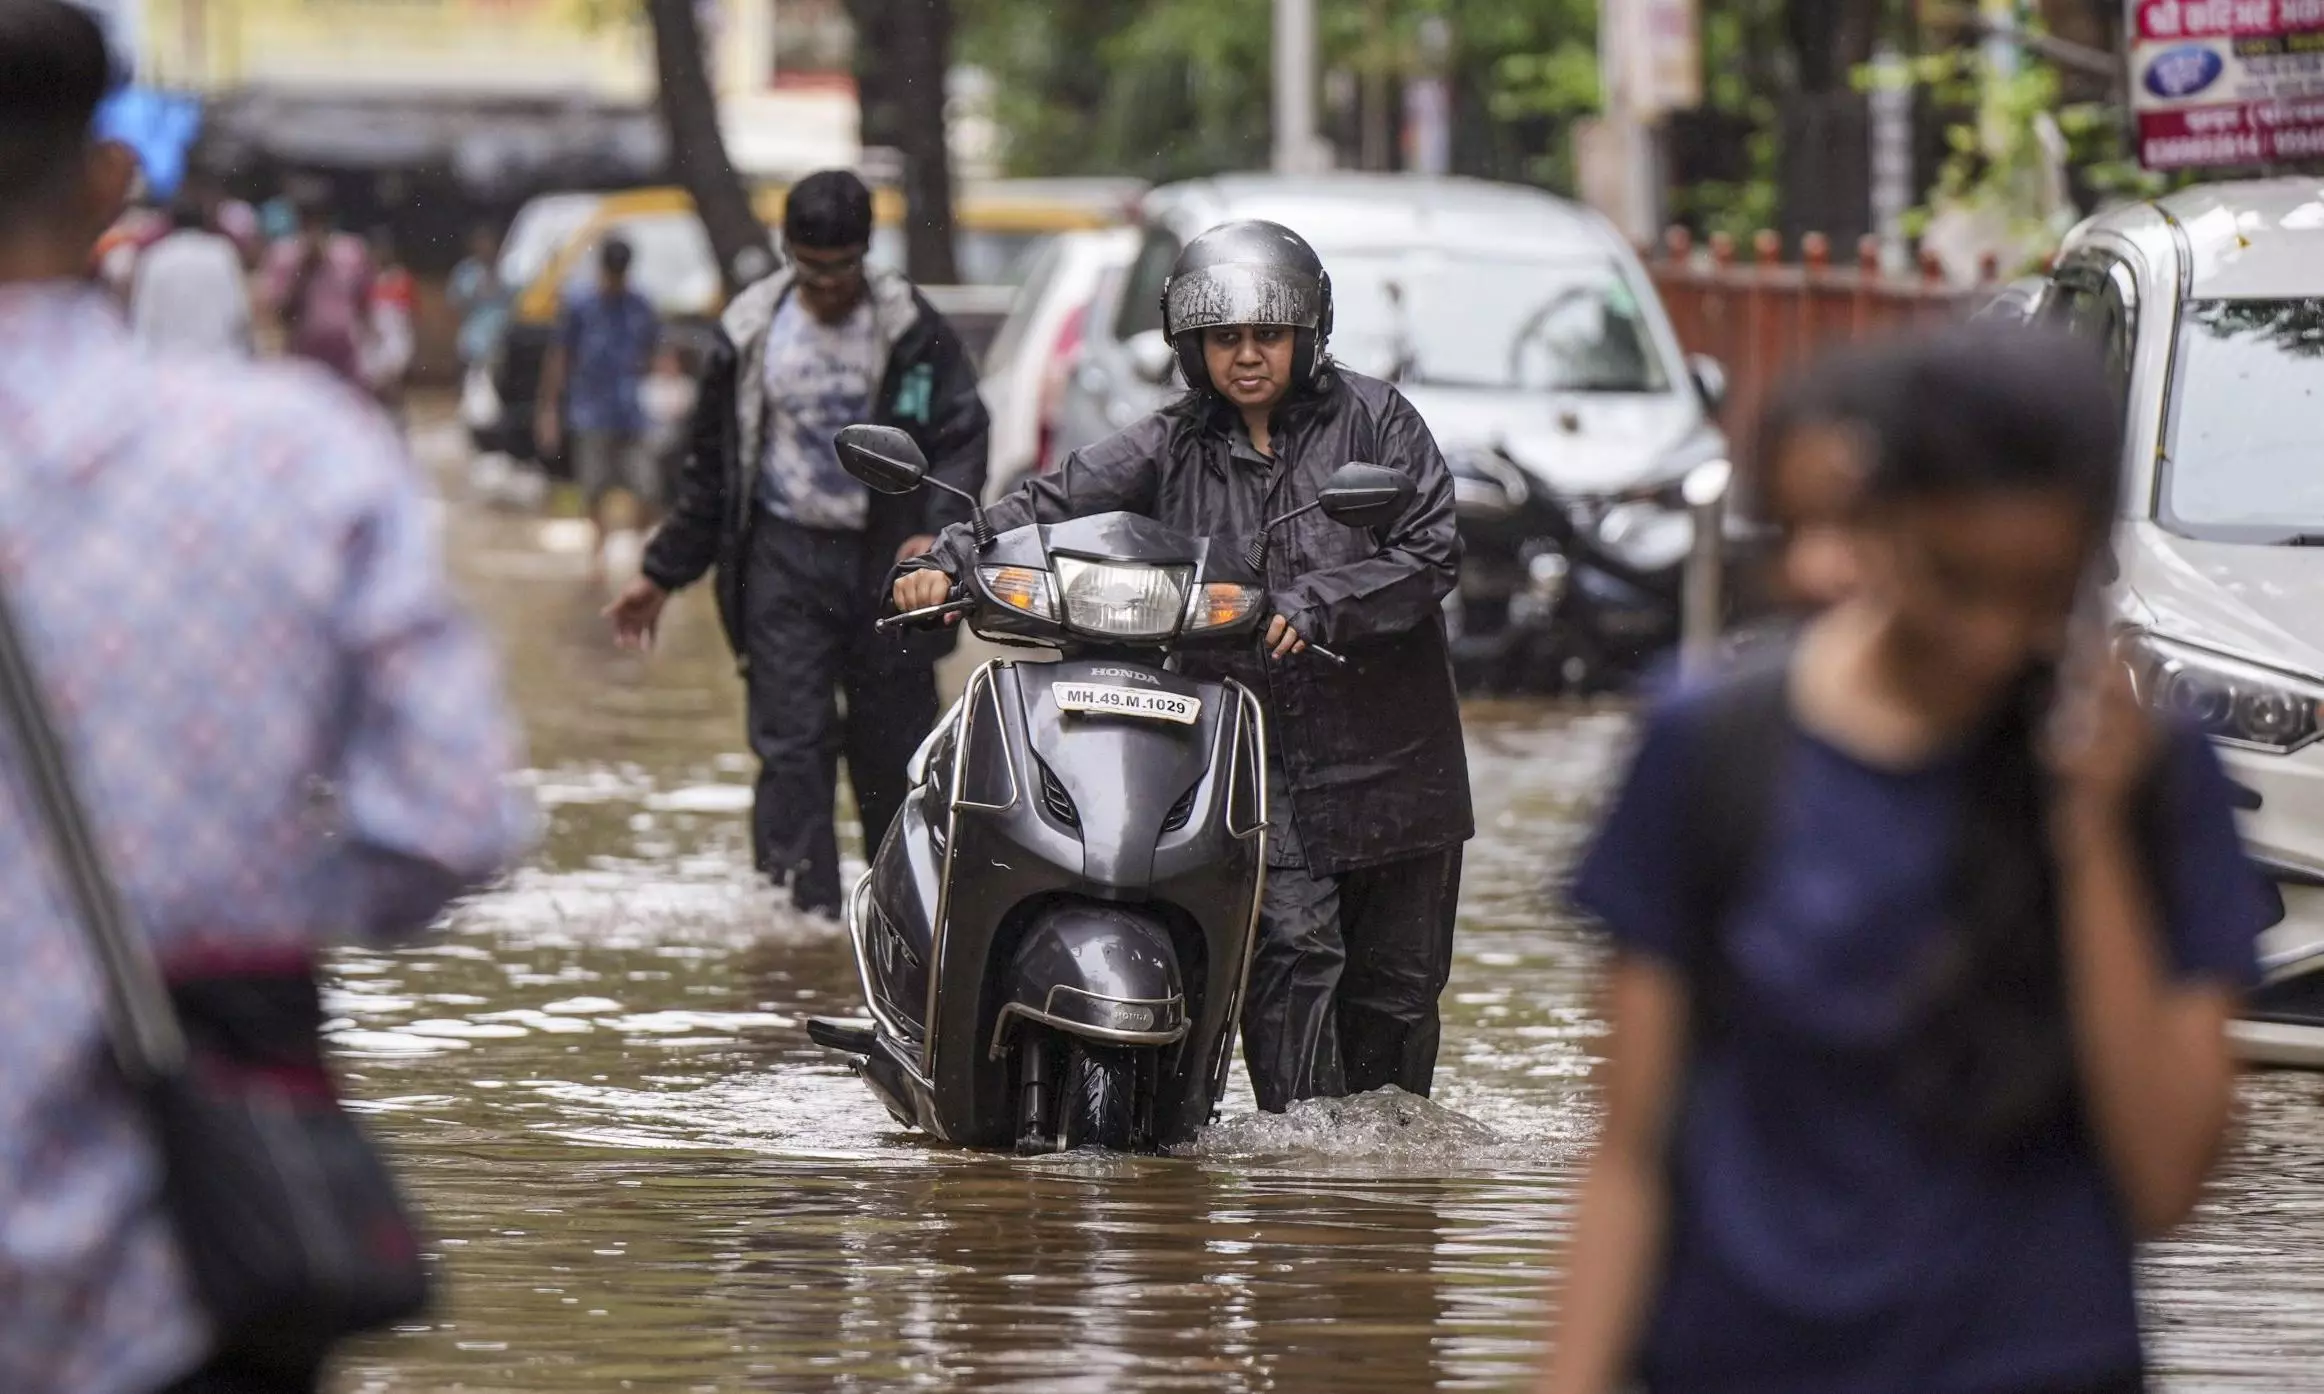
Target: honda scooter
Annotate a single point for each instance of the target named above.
(1055, 937)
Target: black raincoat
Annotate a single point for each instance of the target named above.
(1355, 928)
(1371, 753)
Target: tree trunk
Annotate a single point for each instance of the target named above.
(689, 108)
(1824, 160)
(903, 52)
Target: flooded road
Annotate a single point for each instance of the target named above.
(641, 1175)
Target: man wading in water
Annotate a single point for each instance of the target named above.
(801, 549)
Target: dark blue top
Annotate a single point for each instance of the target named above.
(1821, 1239)
(609, 343)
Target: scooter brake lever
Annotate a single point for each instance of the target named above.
(958, 605)
(1323, 653)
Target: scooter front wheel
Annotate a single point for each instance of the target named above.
(1101, 1097)
(1077, 1093)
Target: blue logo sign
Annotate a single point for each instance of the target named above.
(2183, 71)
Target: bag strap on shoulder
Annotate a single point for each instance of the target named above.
(1738, 748)
(143, 1025)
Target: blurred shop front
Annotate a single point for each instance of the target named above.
(424, 120)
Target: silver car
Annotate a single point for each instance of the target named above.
(1530, 339)
(2208, 308)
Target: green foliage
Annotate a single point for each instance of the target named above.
(1739, 39)
(1172, 88)
(1996, 160)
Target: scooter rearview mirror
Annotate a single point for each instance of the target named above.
(1360, 495)
(1357, 495)
(882, 458)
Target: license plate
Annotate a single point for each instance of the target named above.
(1105, 698)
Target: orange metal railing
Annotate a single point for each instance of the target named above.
(1765, 317)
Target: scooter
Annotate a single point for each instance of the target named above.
(1055, 937)
(1563, 592)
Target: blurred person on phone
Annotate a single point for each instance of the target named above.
(282, 727)
(1926, 938)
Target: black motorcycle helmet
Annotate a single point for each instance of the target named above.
(1249, 272)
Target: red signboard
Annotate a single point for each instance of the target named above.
(2227, 83)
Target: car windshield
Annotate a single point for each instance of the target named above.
(541, 227)
(1466, 320)
(2233, 469)
(672, 264)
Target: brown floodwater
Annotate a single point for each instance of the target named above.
(639, 1174)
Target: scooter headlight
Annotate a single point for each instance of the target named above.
(1219, 604)
(1021, 588)
(1122, 601)
(2236, 703)
(1647, 534)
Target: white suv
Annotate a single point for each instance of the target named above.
(2209, 306)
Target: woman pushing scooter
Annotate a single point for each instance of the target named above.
(1368, 778)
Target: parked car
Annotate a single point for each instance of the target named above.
(1025, 366)
(1530, 339)
(1000, 225)
(2208, 306)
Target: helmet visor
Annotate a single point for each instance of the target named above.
(1241, 292)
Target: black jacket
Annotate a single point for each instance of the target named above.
(1372, 752)
(928, 389)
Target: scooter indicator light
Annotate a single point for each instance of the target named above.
(1021, 588)
(1221, 603)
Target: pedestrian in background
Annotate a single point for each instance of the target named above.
(390, 338)
(113, 260)
(1926, 940)
(281, 725)
(589, 383)
(318, 285)
(188, 293)
(478, 297)
(803, 551)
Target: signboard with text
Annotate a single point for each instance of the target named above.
(2227, 83)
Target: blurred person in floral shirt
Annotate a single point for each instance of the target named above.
(284, 729)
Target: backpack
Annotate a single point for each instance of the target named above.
(1736, 757)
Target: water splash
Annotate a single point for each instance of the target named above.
(1386, 1126)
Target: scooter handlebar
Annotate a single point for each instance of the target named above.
(928, 617)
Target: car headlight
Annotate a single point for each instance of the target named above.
(1021, 588)
(2236, 703)
(1668, 487)
(1219, 604)
(1122, 601)
(1651, 526)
